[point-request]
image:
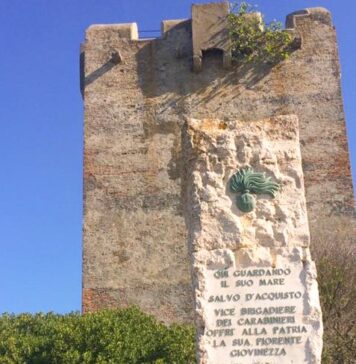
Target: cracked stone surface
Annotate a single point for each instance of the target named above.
(250, 268)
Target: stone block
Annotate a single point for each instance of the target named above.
(256, 295)
(210, 31)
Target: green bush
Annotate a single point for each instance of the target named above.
(252, 40)
(112, 336)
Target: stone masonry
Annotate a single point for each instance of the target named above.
(138, 95)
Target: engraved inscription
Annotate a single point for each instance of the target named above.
(255, 315)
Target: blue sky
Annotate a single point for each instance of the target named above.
(41, 117)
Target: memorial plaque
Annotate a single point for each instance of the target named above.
(258, 313)
(256, 295)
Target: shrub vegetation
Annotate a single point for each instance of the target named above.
(112, 337)
(334, 250)
(252, 40)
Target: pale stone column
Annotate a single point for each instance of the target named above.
(256, 293)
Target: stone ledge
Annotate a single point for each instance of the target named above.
(317, 14)
(126, 30)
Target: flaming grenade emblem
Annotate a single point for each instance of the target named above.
(248, 182)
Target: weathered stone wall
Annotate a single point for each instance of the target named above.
(137, 94)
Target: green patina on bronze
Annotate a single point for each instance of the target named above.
(248, 182)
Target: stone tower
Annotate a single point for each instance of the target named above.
(137, 96)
